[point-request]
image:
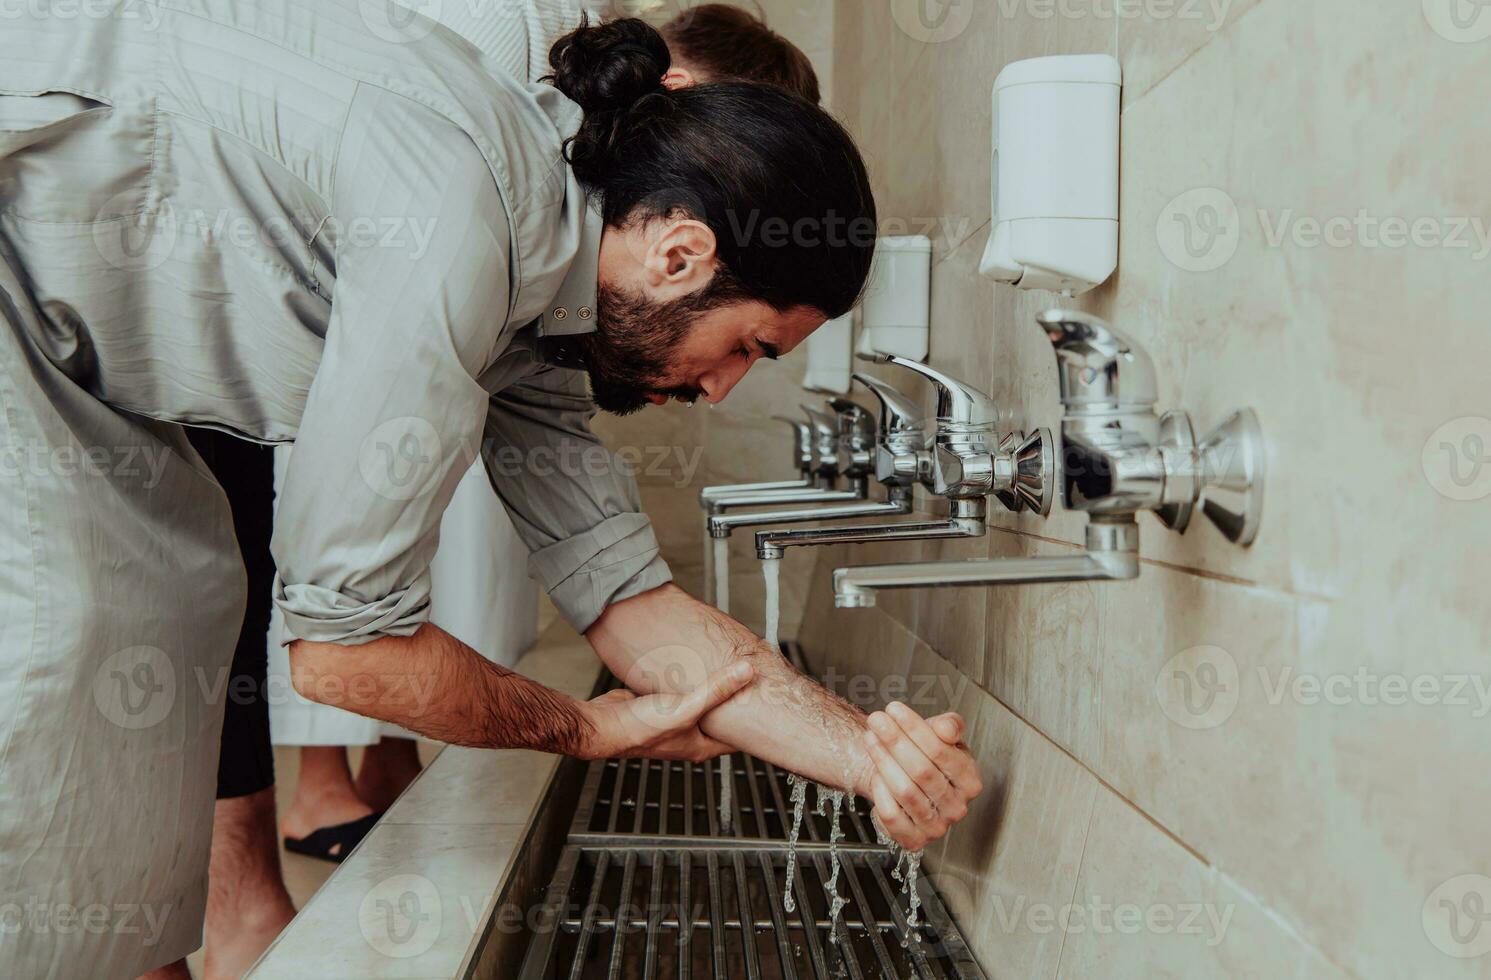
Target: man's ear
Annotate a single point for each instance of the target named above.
(677, 77)
(681, 258)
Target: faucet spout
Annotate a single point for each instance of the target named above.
(967, 521)
(722, 525)
(710, 494)
(1112, 555)
(858, 489)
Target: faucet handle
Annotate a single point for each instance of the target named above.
(823, 425)
(958, 403)
(825, 441)
(802, 441)
(1097, 364)
(899, 415)
(856, 442)
(844, 407)
(901, 457)
(850, 421)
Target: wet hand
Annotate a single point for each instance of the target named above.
(925, 776)
(661, 726)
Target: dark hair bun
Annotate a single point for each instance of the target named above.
(605, 68)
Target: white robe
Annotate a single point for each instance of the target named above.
(481, 594)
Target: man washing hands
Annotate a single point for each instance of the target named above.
(601, 240)
(684, 306)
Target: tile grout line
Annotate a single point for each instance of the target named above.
(1186, 569)
(1094, 774)
(953, 247)
(1187, 59)
(1282, 922)
(1077, 879)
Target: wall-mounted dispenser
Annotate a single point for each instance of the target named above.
(1055, 183)
(831, 356)
(896, 312)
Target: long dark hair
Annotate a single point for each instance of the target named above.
(776, 178)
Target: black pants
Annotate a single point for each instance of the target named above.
(246, 471)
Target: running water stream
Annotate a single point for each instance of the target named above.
(830, 803)
(722, 602)
(708, 566)
(771, 571)
(722, 575)
(727, 792)
(836, 902)
(799, 789)
(911, 861)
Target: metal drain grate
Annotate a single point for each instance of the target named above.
(681, 799)
(649, 885)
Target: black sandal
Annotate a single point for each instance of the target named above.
(333, 843)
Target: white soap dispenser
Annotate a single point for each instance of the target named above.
(831, 356)
(1055, 185)
(896, 315)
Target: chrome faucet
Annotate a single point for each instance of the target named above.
(966, 463)
(820, 465)
(970, 459)
(804, 460)
(1118, 458)
(859, 449)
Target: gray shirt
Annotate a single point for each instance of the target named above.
(306, 221)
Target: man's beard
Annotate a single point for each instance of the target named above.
(636, 341)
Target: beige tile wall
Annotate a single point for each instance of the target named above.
(1320, 807)
(1317, 827)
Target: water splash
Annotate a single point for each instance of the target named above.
(771, 571)
(913, 870)
(799, 789)
(836, 903)
(906, 871)
(722, 575)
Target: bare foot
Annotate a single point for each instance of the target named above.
(387, 770)
(247, 904)
(232, 952)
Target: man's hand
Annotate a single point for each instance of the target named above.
(924, 777)
(661, 726)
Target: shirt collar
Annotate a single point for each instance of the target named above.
(572, 311)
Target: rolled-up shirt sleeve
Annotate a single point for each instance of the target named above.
(572, 500)
(394, 416)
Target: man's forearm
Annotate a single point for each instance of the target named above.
(667, 641)
(433, 684)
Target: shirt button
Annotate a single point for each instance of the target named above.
(561, 313)
(584, 312)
